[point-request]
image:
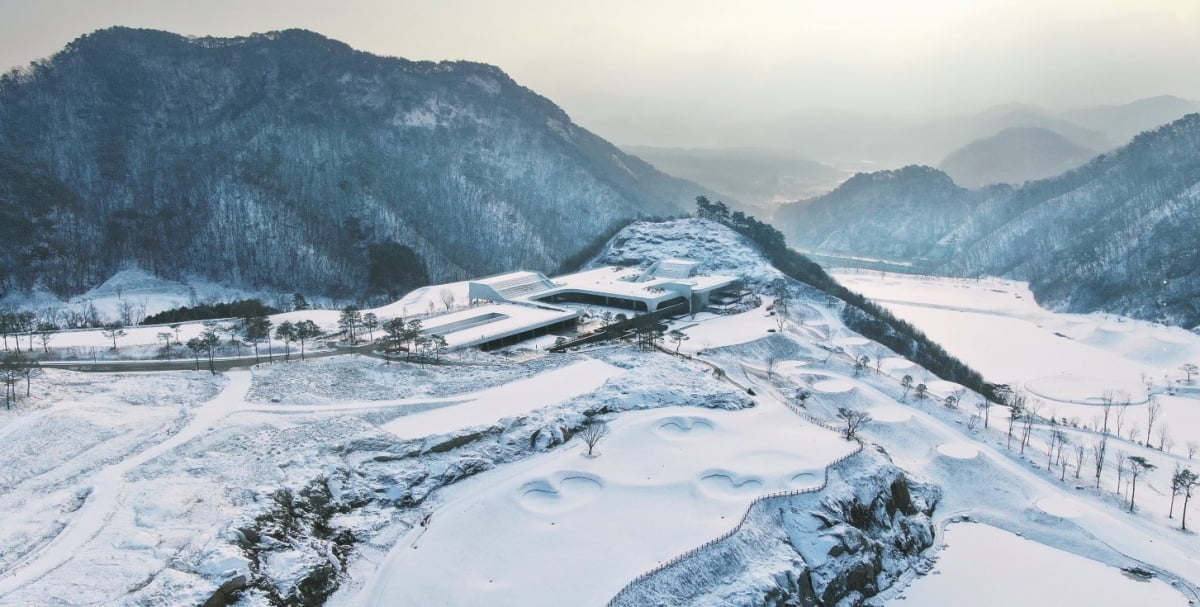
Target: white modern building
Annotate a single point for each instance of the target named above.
(670, 282)
(525, 304)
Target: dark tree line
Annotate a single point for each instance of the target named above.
(242, 308)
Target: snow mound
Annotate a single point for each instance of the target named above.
(890, 414)
(135, 280)
(1115, 327)
(562, 492)
(806, 480)
(1084, 390)
(789, 366)
(1060, 507)
(942, 387)
(833, 386)
(851, 341)
(684, 427)
(895, 363)
(726, 484)
(958, 450)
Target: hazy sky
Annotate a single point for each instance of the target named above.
(633, 69)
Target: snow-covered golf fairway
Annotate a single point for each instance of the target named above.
(567, 525)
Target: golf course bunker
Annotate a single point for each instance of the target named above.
(806, 480)
(958, 450)
(1058, 506)
(1085, 390)
(894, 363)
(851, 341)
(890, 414)
(726, 484)
(565, 491)
(789, 366)
(684, 428)
(833, 386)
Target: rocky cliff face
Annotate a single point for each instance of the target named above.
(288, 160)
(841, 546)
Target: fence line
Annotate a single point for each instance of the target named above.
(762, 498)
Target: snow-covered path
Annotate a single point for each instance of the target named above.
(106, 490)
(488, 406)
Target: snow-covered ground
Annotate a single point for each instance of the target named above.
(666, 480)
(467, 483)
(1066, 363)
(1022, 572)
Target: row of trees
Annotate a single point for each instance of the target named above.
(1062, 454)
(13, 368)
(14, 324)
(409, 336)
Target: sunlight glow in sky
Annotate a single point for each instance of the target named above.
(620, 63)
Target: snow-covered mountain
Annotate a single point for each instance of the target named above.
(1116, 234)
(291, 161)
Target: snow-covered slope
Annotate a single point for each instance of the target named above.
(723, 479)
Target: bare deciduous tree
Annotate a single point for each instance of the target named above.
(1099, 449)
(166, 337)
(772, 362)
(852, 421)
(1153, 410)
(1122, 457)
(985, 409)
(1106, 404)
(1031, 416)
(592, 433)
(1119, 417)
(1080, 455)
(1164, 437)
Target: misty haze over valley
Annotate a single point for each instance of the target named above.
(534, 303)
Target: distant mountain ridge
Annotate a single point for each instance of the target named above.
(1014, 155)
(1117, 234)
(756, 178)
(872, 214)
(288, 160)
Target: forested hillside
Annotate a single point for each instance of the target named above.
(1119, 233)
(875, 214)
(1014, 156)
(287, 160)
